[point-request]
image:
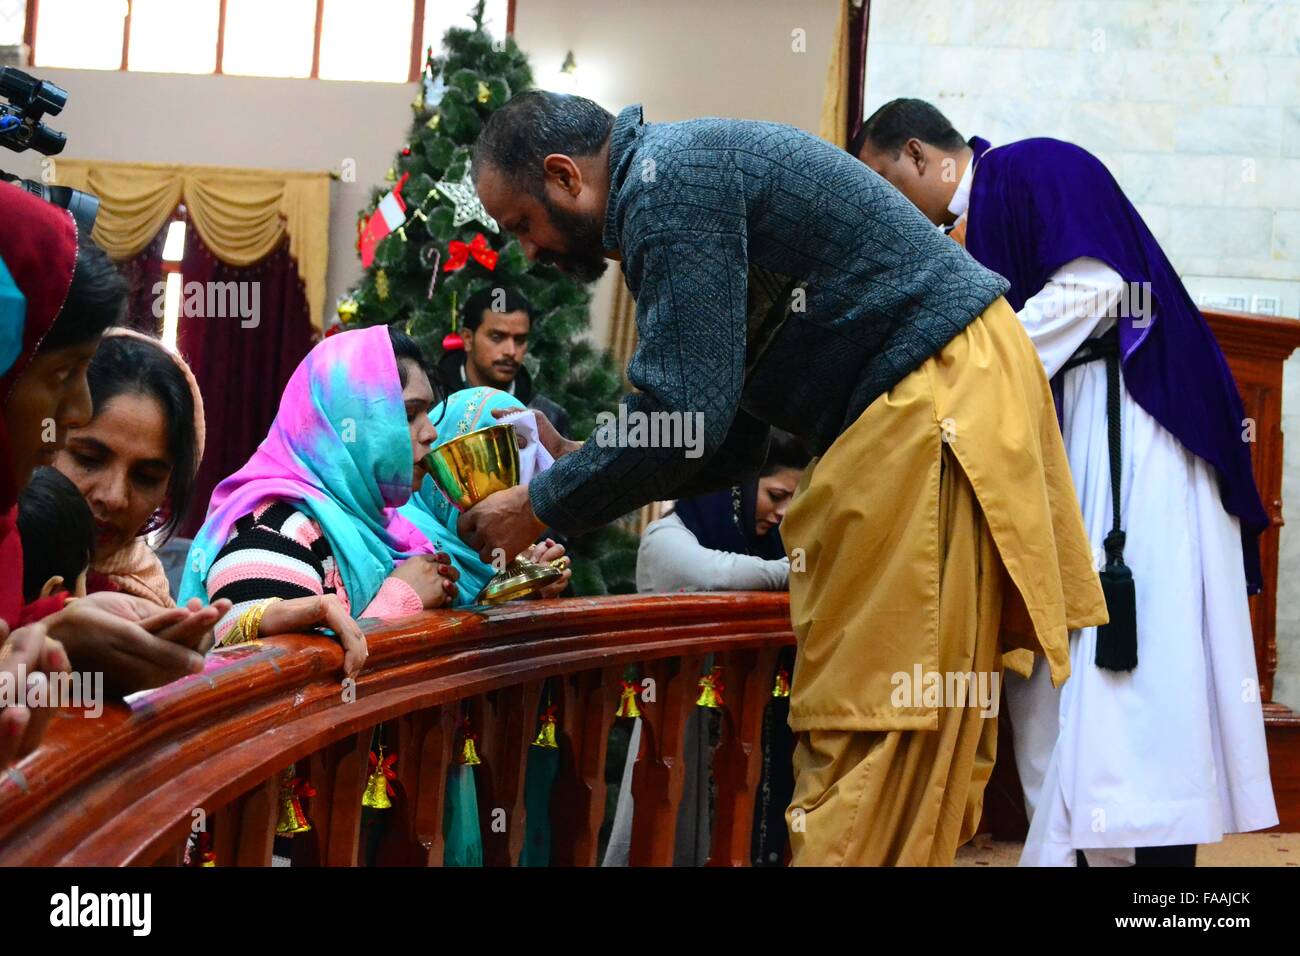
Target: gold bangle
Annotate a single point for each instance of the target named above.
(249, 625)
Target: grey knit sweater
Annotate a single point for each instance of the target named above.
(778, 281)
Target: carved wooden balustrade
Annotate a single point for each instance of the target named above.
(123, 788)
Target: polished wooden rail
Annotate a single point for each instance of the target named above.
(124, 788)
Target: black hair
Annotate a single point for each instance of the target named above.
(406, 349)
(532, 125)
(57, 531)
(127, 366)
(485, 300)
(95, 299)
(784, 451)
(889, 128)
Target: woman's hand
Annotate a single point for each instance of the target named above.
(117, 635)
(551, 440)
(325, 610)
(544, 552)
(189, 632)
(29, 653)
(431, 576)
(190, 626)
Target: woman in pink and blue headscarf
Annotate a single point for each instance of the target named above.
(307, 533)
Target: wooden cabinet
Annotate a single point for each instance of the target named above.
(1256, 347)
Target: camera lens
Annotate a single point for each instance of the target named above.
(83, 206)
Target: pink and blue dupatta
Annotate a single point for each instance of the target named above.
(339, 450)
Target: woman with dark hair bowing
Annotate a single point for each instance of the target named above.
(728, 540)
(307, 533)
(135, 460)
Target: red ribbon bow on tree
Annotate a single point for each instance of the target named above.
(458, 254)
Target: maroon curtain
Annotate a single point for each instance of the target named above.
(144, 275)
(241, 368)
(859, 17)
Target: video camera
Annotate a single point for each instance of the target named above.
(21, 129)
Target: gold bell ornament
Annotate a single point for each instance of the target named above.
(347, 309)
(782, 688)
(468, 752)
(711, 690)
(292, 791)
(200, 853)
(546, 730)
(627, 706)
(378, 788)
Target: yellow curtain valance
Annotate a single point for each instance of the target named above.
(242, 215)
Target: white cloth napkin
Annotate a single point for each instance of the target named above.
(533, 456)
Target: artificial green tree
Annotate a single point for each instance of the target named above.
(408, 282)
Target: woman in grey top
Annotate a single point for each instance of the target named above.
(729, 540)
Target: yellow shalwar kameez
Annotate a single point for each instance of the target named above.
(941, 529)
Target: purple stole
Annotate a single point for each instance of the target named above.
(1038, 204)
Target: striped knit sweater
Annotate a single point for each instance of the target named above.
(280, 552)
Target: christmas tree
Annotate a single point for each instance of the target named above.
(427, 245)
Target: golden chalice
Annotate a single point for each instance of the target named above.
(469, 468)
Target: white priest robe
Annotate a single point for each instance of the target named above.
(1172, 752)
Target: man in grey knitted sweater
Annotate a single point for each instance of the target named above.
(780, 283)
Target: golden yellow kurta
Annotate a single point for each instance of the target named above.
(949, 496)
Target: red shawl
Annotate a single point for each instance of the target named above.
(38, 246)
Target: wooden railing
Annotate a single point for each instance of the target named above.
(127, 787)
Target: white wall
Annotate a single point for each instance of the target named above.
(239, 121)
(1194, 105)
(683, 59)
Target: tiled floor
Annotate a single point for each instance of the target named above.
(1242, 849)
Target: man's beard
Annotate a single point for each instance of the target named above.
(585, 257)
